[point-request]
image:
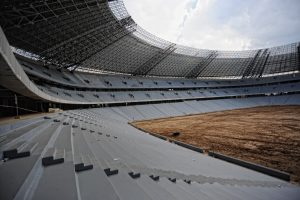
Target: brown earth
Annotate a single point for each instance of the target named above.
(269, 136)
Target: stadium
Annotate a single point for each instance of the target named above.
(95, 107)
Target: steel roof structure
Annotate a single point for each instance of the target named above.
(100, 35)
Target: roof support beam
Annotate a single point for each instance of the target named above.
(251, 65)
(265, 60)
(257, 65)
(145, 68)
(196, 71)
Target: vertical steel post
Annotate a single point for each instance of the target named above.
(17, 107)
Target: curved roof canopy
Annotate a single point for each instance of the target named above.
(100, 35)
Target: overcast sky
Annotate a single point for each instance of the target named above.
(220, 24)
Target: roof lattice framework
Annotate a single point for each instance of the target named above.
(100, 35)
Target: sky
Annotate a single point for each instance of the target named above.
(220, 24)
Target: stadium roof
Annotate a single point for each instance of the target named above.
(100, 35)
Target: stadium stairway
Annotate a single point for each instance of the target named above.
(93, 153)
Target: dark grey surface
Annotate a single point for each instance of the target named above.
(13, 174)
(57, 182)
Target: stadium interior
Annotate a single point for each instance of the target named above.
(87, 70)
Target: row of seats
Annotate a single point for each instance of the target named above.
(87, 80)
(129, 96)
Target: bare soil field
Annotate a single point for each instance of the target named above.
(269, 136)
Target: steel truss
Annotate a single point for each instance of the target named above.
(74, 34)
(154, 61)
(256, 66)
(196, 71)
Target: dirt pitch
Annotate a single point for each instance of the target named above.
(269, 136)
